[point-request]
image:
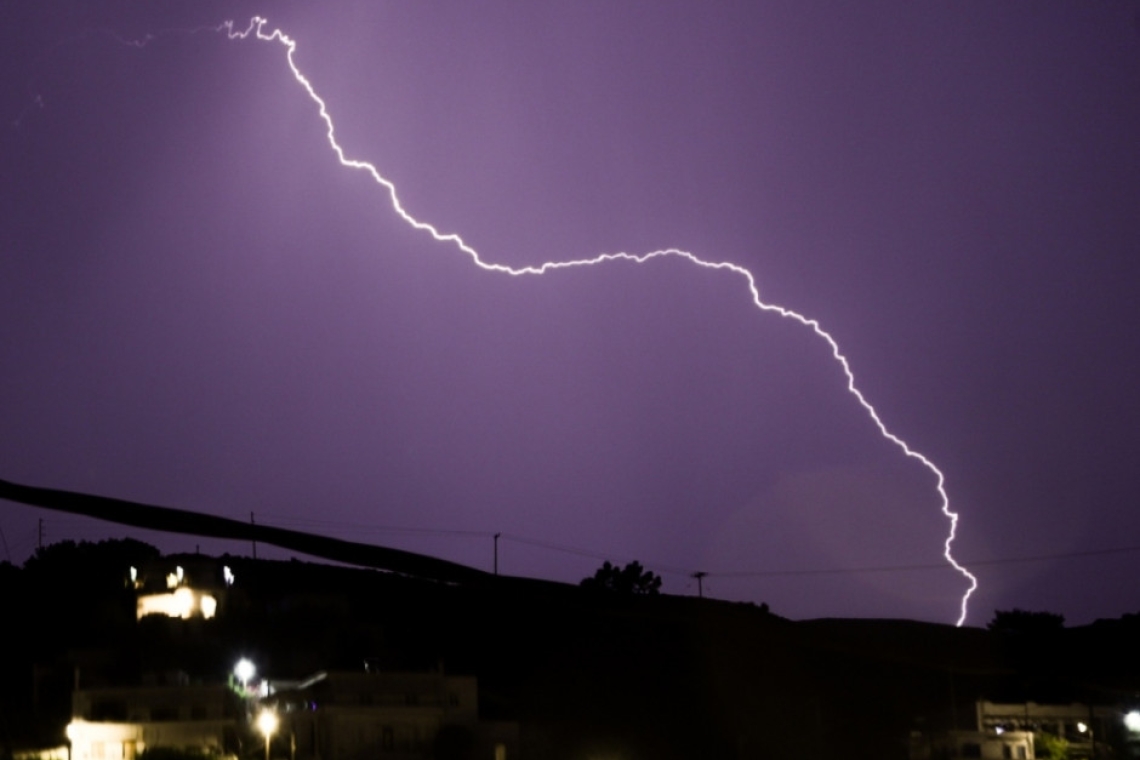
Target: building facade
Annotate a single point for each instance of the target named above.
(120, 723)
(358, 715)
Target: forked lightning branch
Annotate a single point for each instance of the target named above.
(257, 30)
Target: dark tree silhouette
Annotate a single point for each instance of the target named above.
(103, 563)
(631, 579)
(1022, 622)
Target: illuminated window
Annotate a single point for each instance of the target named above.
(183, 603)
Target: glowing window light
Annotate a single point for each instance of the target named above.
(208, 605)
(182, 603)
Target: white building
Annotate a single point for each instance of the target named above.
(119, 723)
(1016, 731)
(982, 745)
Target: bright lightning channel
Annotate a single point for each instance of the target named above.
(256, 29)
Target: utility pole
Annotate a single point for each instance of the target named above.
(251, 522)
(700, 576)
(497, 552)
(40, 534)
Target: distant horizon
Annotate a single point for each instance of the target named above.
(217, 548)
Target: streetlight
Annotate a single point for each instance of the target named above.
(244, 670)
(267, 725)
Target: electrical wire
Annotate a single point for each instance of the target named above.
(88, 529)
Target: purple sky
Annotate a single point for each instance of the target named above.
(200, 308)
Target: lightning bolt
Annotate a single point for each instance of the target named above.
(256, 29)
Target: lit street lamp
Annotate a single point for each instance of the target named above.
(244, 670)
(267, 724)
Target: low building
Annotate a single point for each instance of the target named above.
(1024, 731)
(970, 745)
(356, 715)
(1077, 724)
(120, 723)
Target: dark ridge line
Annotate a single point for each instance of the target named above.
(171, 520)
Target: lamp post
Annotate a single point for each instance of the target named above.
(267, 724)
(244, 670)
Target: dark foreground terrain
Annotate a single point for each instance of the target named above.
(585, 673)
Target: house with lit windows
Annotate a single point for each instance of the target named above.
(181, 587)
(119, 723)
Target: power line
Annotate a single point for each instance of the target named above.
(295, 521)
(85, 528)
(589, 553)
(940, 566)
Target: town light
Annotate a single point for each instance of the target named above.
(244, 670)
(1132, 721)
(267, 724)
